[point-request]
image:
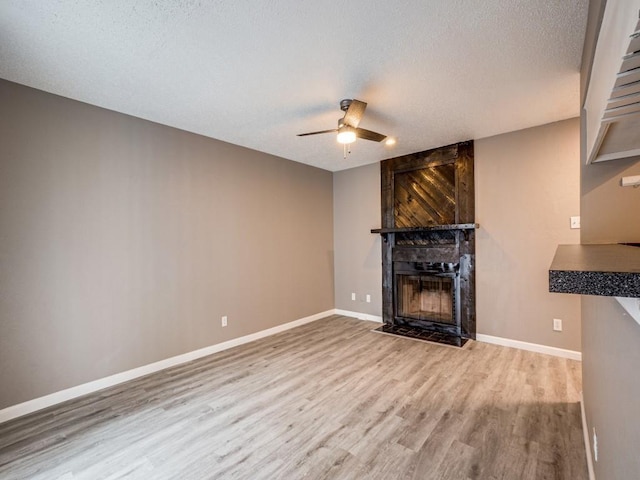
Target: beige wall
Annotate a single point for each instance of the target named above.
(612, 211)
(358, 264)
(527, 187)
(611, 386)
(123, 242)
(610, 337)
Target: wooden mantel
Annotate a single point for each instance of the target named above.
(433, 228)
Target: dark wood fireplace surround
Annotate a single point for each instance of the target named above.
(428, 228)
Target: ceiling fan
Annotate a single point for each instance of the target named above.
(348, 129)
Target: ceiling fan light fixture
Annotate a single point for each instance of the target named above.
(346, 135)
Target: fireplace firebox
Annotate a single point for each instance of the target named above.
(428, 248)
(429, 294)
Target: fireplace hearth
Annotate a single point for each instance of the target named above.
(428, 248)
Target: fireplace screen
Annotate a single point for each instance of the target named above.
(427, 297)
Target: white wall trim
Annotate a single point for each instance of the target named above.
(587, 443)
(36, 404)
(358, 315)
(532, 347)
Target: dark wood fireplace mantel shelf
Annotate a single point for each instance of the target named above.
(433, 228)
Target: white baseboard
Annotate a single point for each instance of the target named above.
(532, 347)
(505, 342)
(358, 315)
(587, 443)
(36, 404)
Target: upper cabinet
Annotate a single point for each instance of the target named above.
(612, 103)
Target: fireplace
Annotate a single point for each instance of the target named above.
(429, 293)
(428, 248)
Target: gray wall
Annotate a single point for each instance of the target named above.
(610, 338)
(123, 242)
(611, 386)
(358, 261)
(527, 187)
(611, 212)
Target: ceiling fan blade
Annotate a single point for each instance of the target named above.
(354, 113)
(317, 133)
(369, 135)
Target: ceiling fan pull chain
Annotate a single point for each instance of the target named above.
(344, 146)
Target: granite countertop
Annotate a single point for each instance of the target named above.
(609, 270)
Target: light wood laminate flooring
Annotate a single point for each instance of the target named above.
(328, 400)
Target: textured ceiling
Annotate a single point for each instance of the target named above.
(256, 73)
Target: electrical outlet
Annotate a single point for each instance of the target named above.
(368, 298)
(557, 324)
(224, 321)
(575, 222)
(353, 296)
(595, 445)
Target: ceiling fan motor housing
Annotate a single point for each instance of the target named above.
(344, 104)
